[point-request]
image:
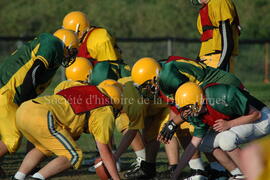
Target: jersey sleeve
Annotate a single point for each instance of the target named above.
(223, 10)
(101, 124)
(101, 46)
(50, 51)
(170, 79)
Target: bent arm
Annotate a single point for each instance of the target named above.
(125, 142)
(252, 116)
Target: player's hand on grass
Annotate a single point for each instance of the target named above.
(167, 132)
(221, 125)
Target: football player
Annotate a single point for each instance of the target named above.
(57, 121)
(97, 45)
(218, 24)
(223, 117)
(26, 74)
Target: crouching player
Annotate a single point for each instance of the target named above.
(55, 122)
(223, 118)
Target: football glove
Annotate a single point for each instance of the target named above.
(168, 130)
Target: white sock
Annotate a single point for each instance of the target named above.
(196, 164)
(217, 166)
(37, 175)
(140, 153)
(236, 171)
(19, 175)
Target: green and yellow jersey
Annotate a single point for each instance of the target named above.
(46, 48)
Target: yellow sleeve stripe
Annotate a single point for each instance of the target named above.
(45, 62)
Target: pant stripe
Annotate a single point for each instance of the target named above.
(62, 139)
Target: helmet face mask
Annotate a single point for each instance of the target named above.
(149, 89)
(192, 110)
(70, 56)
(70, 45)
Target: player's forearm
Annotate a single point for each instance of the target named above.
(176, 118)
(108, 160)
(250, 118)
(125, 142)
(188, 153)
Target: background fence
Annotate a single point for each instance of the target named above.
(250, 66)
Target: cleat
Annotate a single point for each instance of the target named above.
(135, 165)
(13, 178)
(237, 177)
(197, 174)
(145, 171)
(214, 174)
(168, 173)
(30, 178)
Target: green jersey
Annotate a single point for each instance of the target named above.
(46, 48)
(222, 102)
(177, 72)
(109, 70)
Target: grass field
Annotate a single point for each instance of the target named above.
(10, 163)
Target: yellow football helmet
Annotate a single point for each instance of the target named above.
(76, 21)
(144, 74)
(71, 44)
(80, 70)
(145, 69)
(189, 96)
(114, 92)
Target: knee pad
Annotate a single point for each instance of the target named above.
(227, 140)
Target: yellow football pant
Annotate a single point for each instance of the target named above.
(9, 133)
(41, 128)
(122, 122)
